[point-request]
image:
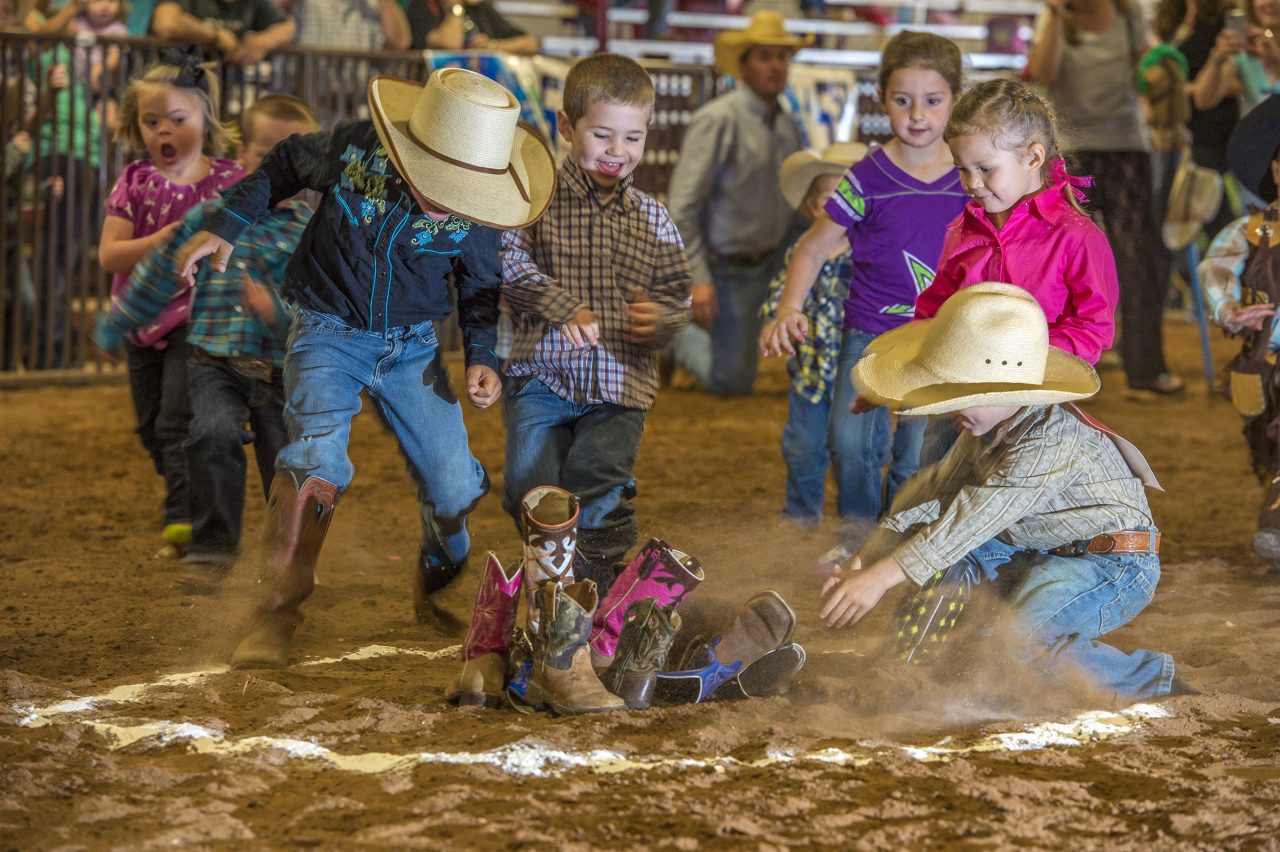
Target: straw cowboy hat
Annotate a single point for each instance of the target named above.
(764, 28)
(988, 345)
(800, 168)
(459, 142)
(1194, 200)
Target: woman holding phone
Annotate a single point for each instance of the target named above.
(1245, 59)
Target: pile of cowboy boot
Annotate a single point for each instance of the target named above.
(575, 653)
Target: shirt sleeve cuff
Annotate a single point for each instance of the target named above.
(227, 224)
(479, 347)
(918, 566)
(558, 307)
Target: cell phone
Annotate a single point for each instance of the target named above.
(1236, 22)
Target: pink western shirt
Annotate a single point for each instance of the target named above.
(1047, 248)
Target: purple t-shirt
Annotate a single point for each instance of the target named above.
(896, 226)
(148, 200)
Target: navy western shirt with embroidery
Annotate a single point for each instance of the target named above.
(370, 256)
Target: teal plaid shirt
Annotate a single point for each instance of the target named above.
(220, 325)
(813, 367)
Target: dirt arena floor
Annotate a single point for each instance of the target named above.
(120, 728)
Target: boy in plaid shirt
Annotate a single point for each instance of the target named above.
(597, 288)
(238, 331)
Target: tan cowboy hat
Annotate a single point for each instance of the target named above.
(764, 28)
(1194, 200)
(988, 345)
(459, 142)
(800, 168)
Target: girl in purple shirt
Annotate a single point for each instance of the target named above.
(893, 206)
(171, 112)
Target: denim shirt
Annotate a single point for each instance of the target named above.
(370, 256)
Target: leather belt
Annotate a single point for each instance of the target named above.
(1128, 541)
(742, 259)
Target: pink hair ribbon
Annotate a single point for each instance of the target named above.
(1059, 175)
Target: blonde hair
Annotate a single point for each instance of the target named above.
(1012, 116)
(219, 137)
(606, 77)
(910, 49)
(279, 107)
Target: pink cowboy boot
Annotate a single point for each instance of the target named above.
(484, 651)
(657, 572)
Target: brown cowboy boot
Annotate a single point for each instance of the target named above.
(647, 633)
(563, 678)
(298, 517)
(549, 519)
(484, 651)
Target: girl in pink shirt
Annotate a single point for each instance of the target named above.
(171, 114)
(1024, 224)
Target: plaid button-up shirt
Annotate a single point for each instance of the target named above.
(1042, 480)
(220, 324)
(586, 253)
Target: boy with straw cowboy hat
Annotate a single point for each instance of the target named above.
(724, 198)
(1032, 484)
(419, 193)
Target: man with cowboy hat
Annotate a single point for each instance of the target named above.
(418, 194)
(1032, 485)
(724, 197)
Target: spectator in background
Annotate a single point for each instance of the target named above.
(465, 25)
(725, 198)
(1245, 64)
(351, 24)
(1085, 55)
(1192, 26)
(244, 32)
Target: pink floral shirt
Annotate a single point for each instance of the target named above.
(148, 200)
(1047, 248)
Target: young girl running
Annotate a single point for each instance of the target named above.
(894, 207)
(1024, 226)
(171, 113)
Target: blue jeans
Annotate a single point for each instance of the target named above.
(222, 402)
(862, 444)
(804, 449)
(1063, 604)
(160, 390)
(586, 449)
(330, 363)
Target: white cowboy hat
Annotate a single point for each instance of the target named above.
(800, 168)
(1194, 200)
(764, 28)
(459, 142)
(988, 345)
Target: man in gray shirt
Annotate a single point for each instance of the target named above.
(727, 203)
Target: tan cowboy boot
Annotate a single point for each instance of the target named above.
(298, 517)
(484, 651)
(563, 678)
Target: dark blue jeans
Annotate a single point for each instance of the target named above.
(223, 401)
(158, 383)
(588, 450)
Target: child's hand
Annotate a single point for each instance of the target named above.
(776, 337)
(852, 593)
(861, 405)
(22, 142)
(201, 245)
(483, 386)
(583, 330)
(1251, 317)
(57, 77)
(256, 298)
(705, 304)
(643, 317)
